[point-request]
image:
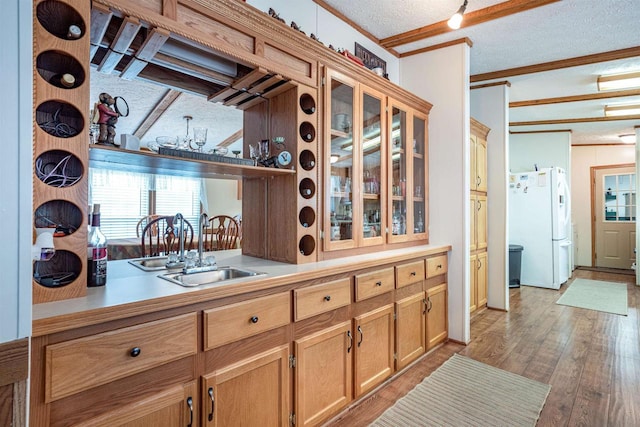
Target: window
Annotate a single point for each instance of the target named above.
(125, 197)
(620, 197)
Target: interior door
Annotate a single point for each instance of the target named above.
(614, 202)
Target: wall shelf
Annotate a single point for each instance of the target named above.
(105, 157)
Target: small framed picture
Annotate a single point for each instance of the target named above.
(370, 60)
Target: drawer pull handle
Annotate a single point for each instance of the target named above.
(439, 266)
(254, 319)
(327, 298)
(213, 403)
(190, 405)
(350, 341)
(378, 283)
(361, 336)
(135, 352)
(413, 273)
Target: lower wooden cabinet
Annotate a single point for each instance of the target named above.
(421, 323)
(479, 277)
(175, 406)
(323, 374)
(410, 329)
(437, 307)
(374, 336)
(253, 391)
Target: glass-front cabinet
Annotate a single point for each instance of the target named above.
(375, 185)
(407, 207)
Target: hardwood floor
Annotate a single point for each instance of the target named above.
(590, 358)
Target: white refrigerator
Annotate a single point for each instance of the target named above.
(539, 220)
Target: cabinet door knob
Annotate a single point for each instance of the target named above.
(378, 283)
(135, 352)
(424, 301)
(254, 319)
(413, 273)
(429, 305)
(327, 298)
(439, 266)
(213, 403)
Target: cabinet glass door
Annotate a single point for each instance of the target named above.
(419, 174)
(339, 220)
(373, 131)
(398, 130)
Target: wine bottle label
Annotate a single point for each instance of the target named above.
(97, 268)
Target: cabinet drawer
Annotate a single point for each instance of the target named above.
(375, 283)
(436, 266)
(409, 273)
(233, 322)
(80, 364)
(321, 298)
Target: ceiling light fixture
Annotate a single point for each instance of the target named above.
(621, 110)
(619, 81)
(455, 20)
(629, 138)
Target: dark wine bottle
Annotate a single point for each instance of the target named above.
(96, 252)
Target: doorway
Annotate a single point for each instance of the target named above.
(613, 207)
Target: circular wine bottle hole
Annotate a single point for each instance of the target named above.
(307, 160)
(307, 216)
(307, 103)
(61, 20)
(307, 245)
(59, 271)
(59, 119)
(307, 188)
(60, 69)
(58, 168)
(60, 215)
(307, 132)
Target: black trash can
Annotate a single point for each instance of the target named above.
(515, 261)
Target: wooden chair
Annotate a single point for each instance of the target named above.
(143, 223)
(160, 237)
(221, 233)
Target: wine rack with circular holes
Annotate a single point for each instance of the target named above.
(60, 145)
(307, 174)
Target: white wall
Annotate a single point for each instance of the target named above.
(328, 28)
(543, 149)
(222, 197)
(582, 159)
(442, 78)
(16, 210)
(490, 106)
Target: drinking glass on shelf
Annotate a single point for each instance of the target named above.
(254, 154)
(200, 137)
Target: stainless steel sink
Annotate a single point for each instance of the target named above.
(155, 264)
(209, 277)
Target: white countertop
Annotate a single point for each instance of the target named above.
(130, 291)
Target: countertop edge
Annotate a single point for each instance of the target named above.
(44, 324)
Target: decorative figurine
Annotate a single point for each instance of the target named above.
(296, 27)
(107, 119)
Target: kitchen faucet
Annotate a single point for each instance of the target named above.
(201, 265)
(204, 218)
(176, 218)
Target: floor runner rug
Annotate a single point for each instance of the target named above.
(464, 392)
(610, 297)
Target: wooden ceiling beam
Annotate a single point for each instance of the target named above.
(575, 98)
(190, 69)
(152, 44)
(476, 17)
(100, 18)
(231, 139)
(156, 112)
(559, 64)
(576, 120)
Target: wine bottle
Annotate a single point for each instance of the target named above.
(74, 32)
(65, 81)
(97, 252)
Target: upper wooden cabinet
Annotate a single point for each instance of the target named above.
(478, 156)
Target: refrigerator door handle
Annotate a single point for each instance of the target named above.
(567, 215)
